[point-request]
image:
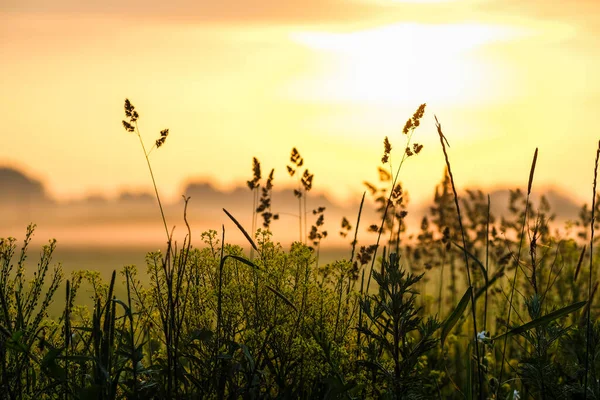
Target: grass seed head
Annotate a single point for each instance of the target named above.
(387, 148)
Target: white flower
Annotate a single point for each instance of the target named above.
(516, 395)
(482, 336)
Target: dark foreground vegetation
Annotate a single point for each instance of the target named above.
(470, 306)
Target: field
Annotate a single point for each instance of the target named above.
(467, 305)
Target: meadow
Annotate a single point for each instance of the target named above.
(466, 305)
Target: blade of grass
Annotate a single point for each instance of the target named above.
(579, 263)
(443, 142)
(487, 260)
(455, 315)
(588, 316)
(241, 228)
(282, 297)
(517, 266)
(543, 320)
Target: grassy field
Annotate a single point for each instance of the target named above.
(471, 306)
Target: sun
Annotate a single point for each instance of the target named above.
(403, 63)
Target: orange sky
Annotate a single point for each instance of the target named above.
(237, 79)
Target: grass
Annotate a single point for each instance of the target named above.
(211, 320)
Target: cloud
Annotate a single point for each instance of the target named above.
(582, 13)
(228, 11)
(348, 13)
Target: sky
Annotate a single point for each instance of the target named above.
(234, 80)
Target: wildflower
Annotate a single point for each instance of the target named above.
(482, 336)
(516, 395)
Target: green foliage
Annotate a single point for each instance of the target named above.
(24, 303)
(396, 337)
(211, 322)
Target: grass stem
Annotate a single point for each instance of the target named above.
(590, 278)
(443, 142)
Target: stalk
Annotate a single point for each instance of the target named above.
(443, 142)
(589, 306)
(514, 283)
(162, 213)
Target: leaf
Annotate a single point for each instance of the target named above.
(248, 356)
(79, 359)
(375, 366)
(56, 371)
(243, 260)
(51, 356)
(544, 319)
(50, 366)
(203, 335)
(479, 264)
(282, 297)
(455, 315)
(125, 307)
(241, 228)
(16, 343)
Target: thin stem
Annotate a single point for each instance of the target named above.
(466, 256)
(487, 259)
(589, 306)
(305, 219)
(162, 213)
(514, 283)
(387, 206)
(440, 291)
(300, 218)
(254, 217)
(362, 202)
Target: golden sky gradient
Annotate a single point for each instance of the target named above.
(237, 79)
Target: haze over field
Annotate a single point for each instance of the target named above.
(233, 80)
(133, 218)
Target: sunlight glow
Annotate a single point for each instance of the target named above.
(395, 63)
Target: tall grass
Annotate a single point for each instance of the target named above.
(215, 323)
(443, 142)
(590, 278)
(518, 255)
